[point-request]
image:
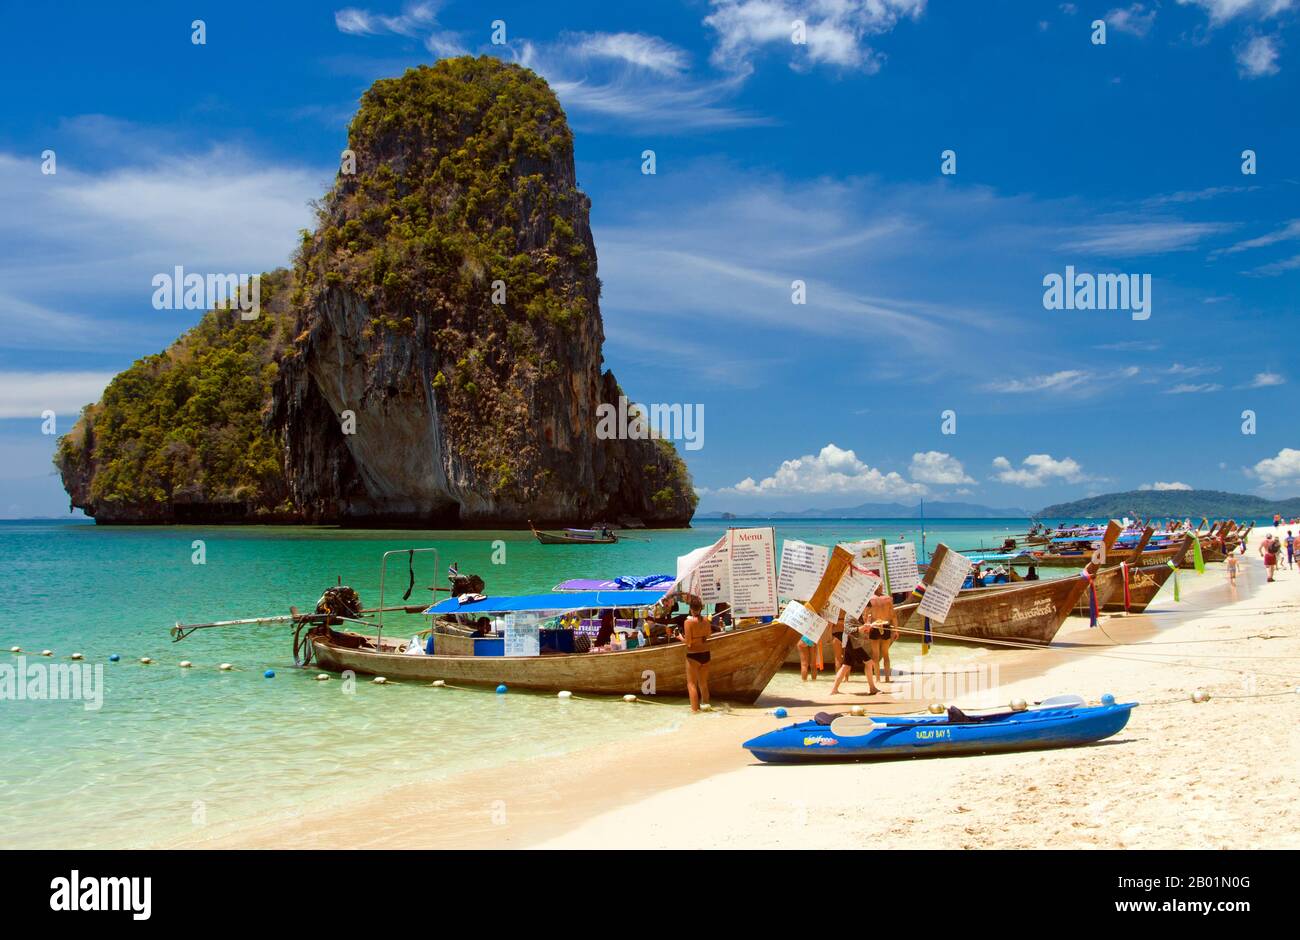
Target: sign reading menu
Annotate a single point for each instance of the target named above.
(802, 565)
(900, 567)
(942, 591)
(804, 620)
(522, 637)
(752, 559)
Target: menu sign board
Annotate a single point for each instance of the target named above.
(752, 559)
(803, 620)
(853, 590)
(942, 591)
(802, 565)
(901, 572)
(868, 554)
(522, 637)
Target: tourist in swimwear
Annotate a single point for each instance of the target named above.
(855, 656)
(883, 631)
(1270, 559)
(837, 640)
(1290, 549)
(696, 629)
(809, 665)
(1232, 570)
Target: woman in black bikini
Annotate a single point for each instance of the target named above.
(695, 631)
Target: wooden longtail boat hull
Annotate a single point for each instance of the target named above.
(1115, 556)
(743, 661)
(1024, 611)
(552, 538)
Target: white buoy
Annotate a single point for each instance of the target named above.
(225, 667)
(185, 664)
(322, 677)
(629, 698)
(1019, 705)
(937, 708)
(15, 649)
(47, 652)
(564, 695)
(145, 660)
(857, 710)
(1200, 695)
(706, 707)
(76, 656)
(439, 683)
(379, 680)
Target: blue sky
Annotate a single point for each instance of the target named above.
(776, 162)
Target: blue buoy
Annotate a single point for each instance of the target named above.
(114, 658)
(780, 713)
(501, 689)
(269, 674)
(1108, 699)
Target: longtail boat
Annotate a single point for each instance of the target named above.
(1145, 582)
(601, 536)
(1023, 611)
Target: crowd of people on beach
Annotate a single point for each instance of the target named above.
(1271, 550)
(861, 644)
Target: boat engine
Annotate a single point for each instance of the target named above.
(340, 601)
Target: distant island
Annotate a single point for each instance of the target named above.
(1214, 504)
(937, 510)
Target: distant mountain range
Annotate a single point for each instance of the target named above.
(1195, 503)
(935, 510)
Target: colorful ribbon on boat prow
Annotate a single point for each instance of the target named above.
(1092, 597)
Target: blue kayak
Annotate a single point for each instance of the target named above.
(849, 737)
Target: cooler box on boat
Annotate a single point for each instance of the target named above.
(489, 646)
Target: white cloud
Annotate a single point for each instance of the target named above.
(1061, 381)
(1257, 57)
(415, 18)
(1220, 11)
(1284, 468)
(1038, 470)
(646, 52)
(1158, 486)
(1136, 19)
(634, 79)
(1142, 238)
(832, 471)
(1288, 232)
(1191, 388)
(836, 31)
(938, 468)
(27, 394)
(76, 239)
(1266, 380)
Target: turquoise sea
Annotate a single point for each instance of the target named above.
(181, 753)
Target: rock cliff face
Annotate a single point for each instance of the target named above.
(445, 366)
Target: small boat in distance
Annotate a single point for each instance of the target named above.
(601, 535)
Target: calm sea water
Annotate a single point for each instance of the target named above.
(181, 753)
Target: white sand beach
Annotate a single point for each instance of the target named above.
(1218, 774)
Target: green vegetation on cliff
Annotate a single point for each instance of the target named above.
(185, 425)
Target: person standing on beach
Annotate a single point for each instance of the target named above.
(856, 655)
(809, 665)
(1290, 549)
(1270, 559)
(696, 629)
(883, 631)
(1232, 570)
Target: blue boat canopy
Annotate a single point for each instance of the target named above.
(579, 600)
